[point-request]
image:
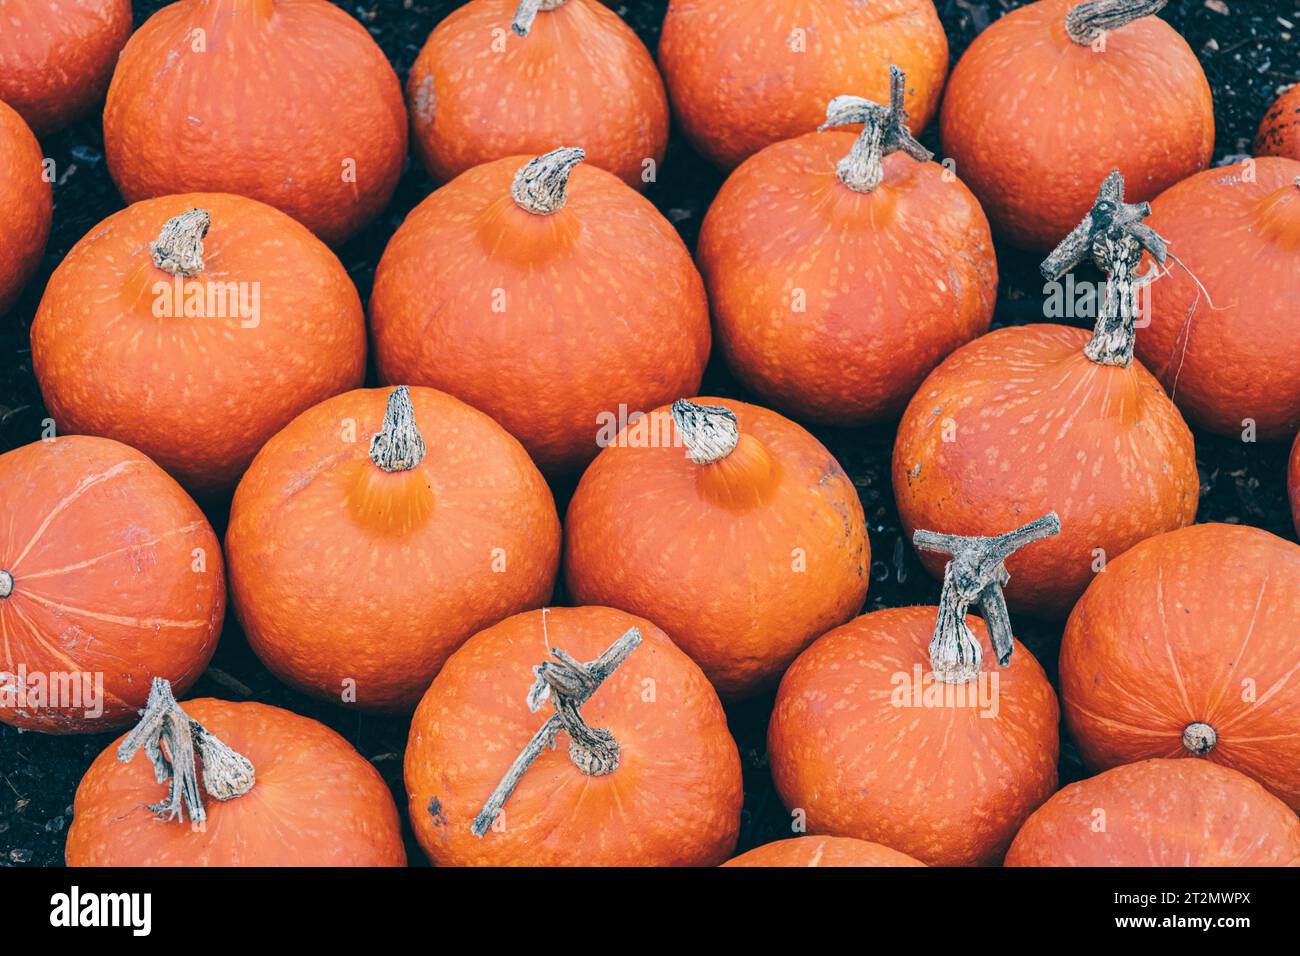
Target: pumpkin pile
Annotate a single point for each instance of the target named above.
(383, 479)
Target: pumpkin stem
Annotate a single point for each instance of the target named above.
(541, 186)
(1087, 21)
(709, 432)
(6, 584)
(884, 131)
(568, 684)
(977, 572)
(1114, 236)
(397, 446)
(178, 250)
(1199, 738)
(527, 12)
(169, 737)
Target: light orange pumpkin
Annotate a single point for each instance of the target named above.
(822, 851)
(1279, 130)
(28, 204)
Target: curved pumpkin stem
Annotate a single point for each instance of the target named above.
(977, 572)
(526, 13)
(1199, 738)
(1114, 236)
(6, 584)
(884, 131)
(541, 186)
(169, 737)
(178, 250)
(568, 684)
(398, 446)
(709, 432)
(1088, 21)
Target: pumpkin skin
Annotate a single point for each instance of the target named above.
(341, 811)
(1169, 636)
(115, 571)
(822, 851)
(738, 83)
(744, 561)
(342, 573)
(56, 57)
(197, 393)
(1034, 120)
(581, 77)
(180, 120)
(1279, 131)
(894, 279)
(1161, 813)
(674, 799)
(861, 765)
(28, 202)
(603, 307)
(1234, 360)
(1037, 426)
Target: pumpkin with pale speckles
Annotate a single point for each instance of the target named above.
(1188, 645)
(1279, 131)
(28, 203)
(1034, 119)
(673, 800)
(1161, 813)
(868, 744)
(197, 372)
(107, 570)
(743, 74)
(315, 802)
(823, 851)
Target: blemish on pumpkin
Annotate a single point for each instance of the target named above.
(435, 811)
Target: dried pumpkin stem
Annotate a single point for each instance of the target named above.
(1087, 21)
(541, 186)
(709, 432)
(178, 250)
(976, 573)
(526, 13)
(397, 446)
(169, 737)
(1199, 738)
(6, 584)
(884, 131)
(568, 684)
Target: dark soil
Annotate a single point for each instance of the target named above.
(1249, 53)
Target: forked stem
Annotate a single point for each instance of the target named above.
(884, 131)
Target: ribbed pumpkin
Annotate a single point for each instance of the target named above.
(838, 281)
(287, 101)
(1161, 813)
(1279, 131)
(28, 202)
(743, 74)
(194, 327)
(1055, 94)
(575, 74)
(649, 777)
(375, 533)
(1187, 646)
(295, 794)
(822, 851)
(109, 576)
(56, 57)
(1041, 416)
(727, 525)
(1223, 336)
(548, 296)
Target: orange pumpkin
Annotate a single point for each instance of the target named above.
(576, 74)
(1042, 416)
(836, 288)
(1293, 482)
(1055, 94)
(743, 74)
(1160, 813)
(194, 327)
(1223, 337)
(823, 851)
(109, 576)
(650, 775)
(545, 301)
(1279, 131)
(286, 101)
(308, 798)
(28, 202)
(56, 57)
(1187, 646)
(727, 525)
(359, 563)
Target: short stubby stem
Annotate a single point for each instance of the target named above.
(398, 445)
(1199, 738)
(542, 185)
(1086, 22)
(709, 432)
(527, 12)
(6, 584)
(178, 250)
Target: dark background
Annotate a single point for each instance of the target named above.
(1248, 54)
